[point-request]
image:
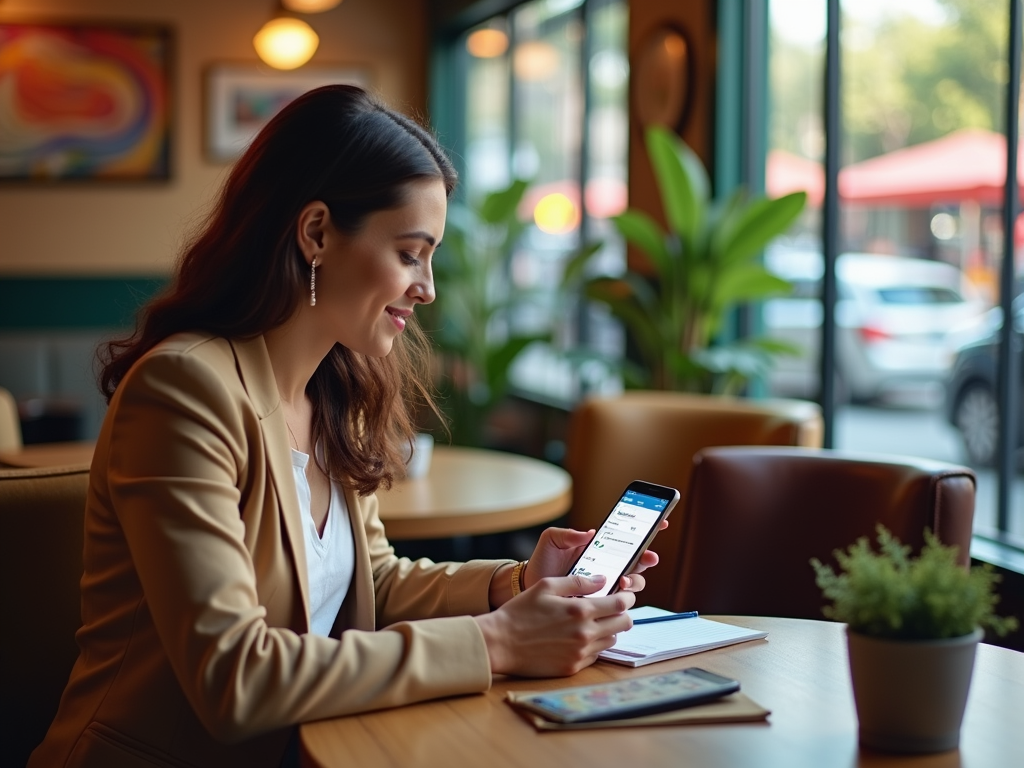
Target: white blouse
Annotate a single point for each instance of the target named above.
(330, 558)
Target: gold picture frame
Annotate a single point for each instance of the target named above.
(240, 98)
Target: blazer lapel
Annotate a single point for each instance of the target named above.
(258, 378)
(364, 615)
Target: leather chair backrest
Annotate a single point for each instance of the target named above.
(10, 424)
(756, 516)
(42, 519)
(653, 436)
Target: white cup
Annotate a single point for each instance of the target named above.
(419, 463)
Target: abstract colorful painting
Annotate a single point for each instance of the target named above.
(241, 99)
(84, 101)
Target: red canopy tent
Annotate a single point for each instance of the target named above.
(966, 165)
(969, 164)
(786, 172)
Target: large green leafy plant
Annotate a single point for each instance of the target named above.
(701, 268)
(470, 320)
(889, 594)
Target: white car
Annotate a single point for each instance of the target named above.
(893, 318)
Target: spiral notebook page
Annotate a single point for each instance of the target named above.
(647, 643)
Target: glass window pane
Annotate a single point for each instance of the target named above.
(548, 115)
(487, 110)
(1015, 525)
(796, 146)
(551, 118)
(607, 169)
(921, 245)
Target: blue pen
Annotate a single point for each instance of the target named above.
(669, 617)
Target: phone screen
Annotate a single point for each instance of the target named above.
(620, 538)
(631, 696)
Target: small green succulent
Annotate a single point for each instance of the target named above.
(889, 594)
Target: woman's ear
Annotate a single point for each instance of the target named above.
(312, 225)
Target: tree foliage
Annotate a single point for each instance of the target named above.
(905, 80)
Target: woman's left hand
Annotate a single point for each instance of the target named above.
(559, 548)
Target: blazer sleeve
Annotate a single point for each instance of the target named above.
(180, 470)
(407, 590)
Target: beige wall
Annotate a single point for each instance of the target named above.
(92, 229)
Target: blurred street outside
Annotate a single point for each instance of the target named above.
(923, 431)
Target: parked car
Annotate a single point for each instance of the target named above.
(972, 404)
(893, 315)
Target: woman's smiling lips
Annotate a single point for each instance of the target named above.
(398, 316)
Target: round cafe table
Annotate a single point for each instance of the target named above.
(799, 672)
(472, 491)
(466, 492)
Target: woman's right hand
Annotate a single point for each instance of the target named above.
(546, 631)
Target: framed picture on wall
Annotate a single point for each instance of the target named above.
(241, 99)
(85, 101)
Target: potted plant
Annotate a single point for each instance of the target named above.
(704, 266)
(470, 320)
(913, 625)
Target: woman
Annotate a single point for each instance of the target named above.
(236, 571)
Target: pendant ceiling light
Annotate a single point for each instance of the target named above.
(535, 60)
(285, 42)
(487, 43)
(310, 6)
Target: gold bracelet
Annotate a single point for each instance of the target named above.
(517, 577)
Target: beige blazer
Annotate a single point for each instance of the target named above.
(194, 646)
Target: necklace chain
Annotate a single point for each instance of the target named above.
(294, 439)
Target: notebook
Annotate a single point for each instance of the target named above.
(648, 643)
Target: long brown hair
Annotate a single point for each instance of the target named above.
(243, 273)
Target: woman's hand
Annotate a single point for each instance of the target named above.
(550, 631)
(558, 548)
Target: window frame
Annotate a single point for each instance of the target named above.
(740, 155)
(740, 150)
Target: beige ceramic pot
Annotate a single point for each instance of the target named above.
(911, 694)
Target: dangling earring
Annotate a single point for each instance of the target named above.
(312, 283)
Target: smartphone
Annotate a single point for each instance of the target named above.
(625, 534)
(630, 697)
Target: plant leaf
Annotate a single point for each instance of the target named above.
(629, 286)
(776, 346)
(762, 220)
(889, 594)
(747, 282)
(682, 181)
(577, 263)
(633, 375)
(500, 206)
(645, 233)
(723, 218)
(734, 358)
(500, 358)
(632, 301)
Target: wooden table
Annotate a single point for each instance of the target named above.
(800, 673)
(49, 455)
(470, 491)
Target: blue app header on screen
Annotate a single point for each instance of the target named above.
(643, 500)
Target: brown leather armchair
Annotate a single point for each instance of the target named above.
(755, 516)
(653, 436)
(10, 425)
(42, 514)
